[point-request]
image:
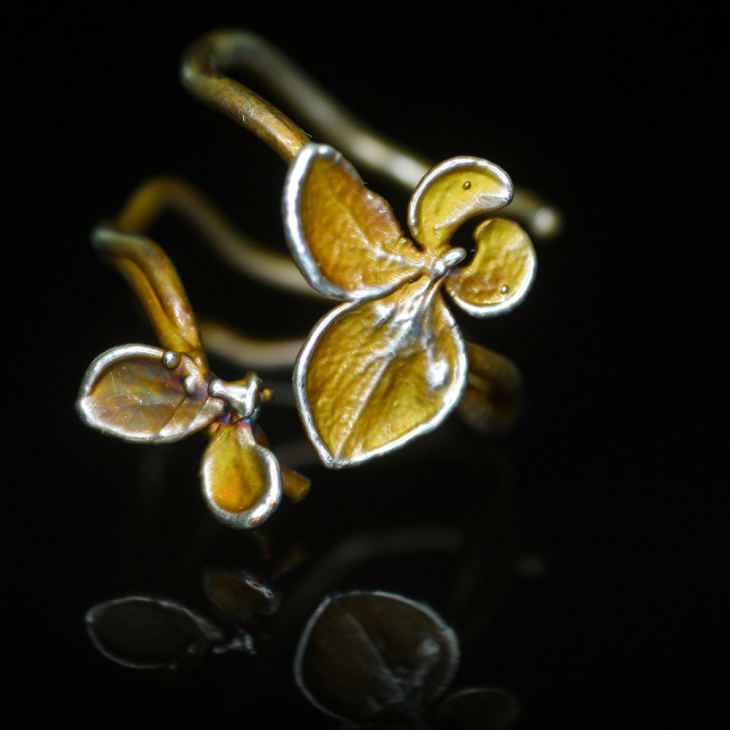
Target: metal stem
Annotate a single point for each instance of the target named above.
(202, 74)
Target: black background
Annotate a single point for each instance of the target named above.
(618, 492)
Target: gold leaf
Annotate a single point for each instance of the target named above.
(344, 238)
(374, 375)
(129, 393)
(500, 273)
(240, 478)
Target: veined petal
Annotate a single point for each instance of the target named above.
(129, 392)
(240, 479)
(500, 273)
(450, 194)
(344, 238)
(374, 375)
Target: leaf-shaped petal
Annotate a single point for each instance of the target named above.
(374, 375)
(363, 654)
(240, 479)
(344, 238)
(500, 273)
(128, 392)
(450, 194)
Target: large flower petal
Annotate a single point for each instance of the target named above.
(128, 392)
(374, 375)
(344, 238)
(500, 273)
(450, 194)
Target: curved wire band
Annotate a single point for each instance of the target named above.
(161, 194)
(202, 74)
(156, 283)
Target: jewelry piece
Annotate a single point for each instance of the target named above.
(161, 395)
(389, 364)
(385, 366)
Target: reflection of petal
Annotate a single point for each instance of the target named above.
(238, 594)
(493, 387)
(500, 273)
(481, 709)
(364, 653)
(374, 375)
(129, 393)
(150, 633)
(344, 238)
(451, 193)
(240, 479)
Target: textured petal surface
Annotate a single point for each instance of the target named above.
(127, 392)
(344, 238)
(240, 479)
(500, 273)
(453, 192)
(374, 375)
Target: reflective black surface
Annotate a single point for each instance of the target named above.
(578, 560)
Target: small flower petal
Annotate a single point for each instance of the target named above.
(450, 194)
(500, 273)
(240, 479)
(129, 392)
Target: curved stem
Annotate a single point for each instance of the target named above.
(157, 285)
(240, 349)
(202, 74)
(142, 209)
(155, 196)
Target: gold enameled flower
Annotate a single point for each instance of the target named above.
(391, 363)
